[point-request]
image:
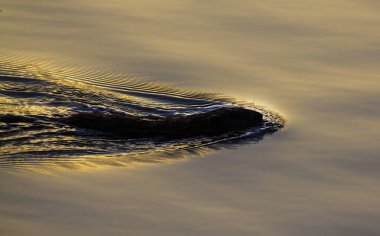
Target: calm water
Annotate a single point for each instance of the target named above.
(315, 63)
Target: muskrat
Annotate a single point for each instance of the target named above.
(210, 123)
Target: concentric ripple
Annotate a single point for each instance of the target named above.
(36, 95)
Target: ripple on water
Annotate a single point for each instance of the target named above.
(35, 95)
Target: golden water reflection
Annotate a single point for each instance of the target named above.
(36, 92)
(315, 62)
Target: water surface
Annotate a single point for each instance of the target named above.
(316, 63)
(71, 115)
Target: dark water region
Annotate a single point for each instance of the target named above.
(65, 114)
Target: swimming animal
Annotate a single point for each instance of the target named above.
(216, 122)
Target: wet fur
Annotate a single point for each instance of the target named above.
(211, 123)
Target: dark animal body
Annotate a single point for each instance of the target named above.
(211, 123)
